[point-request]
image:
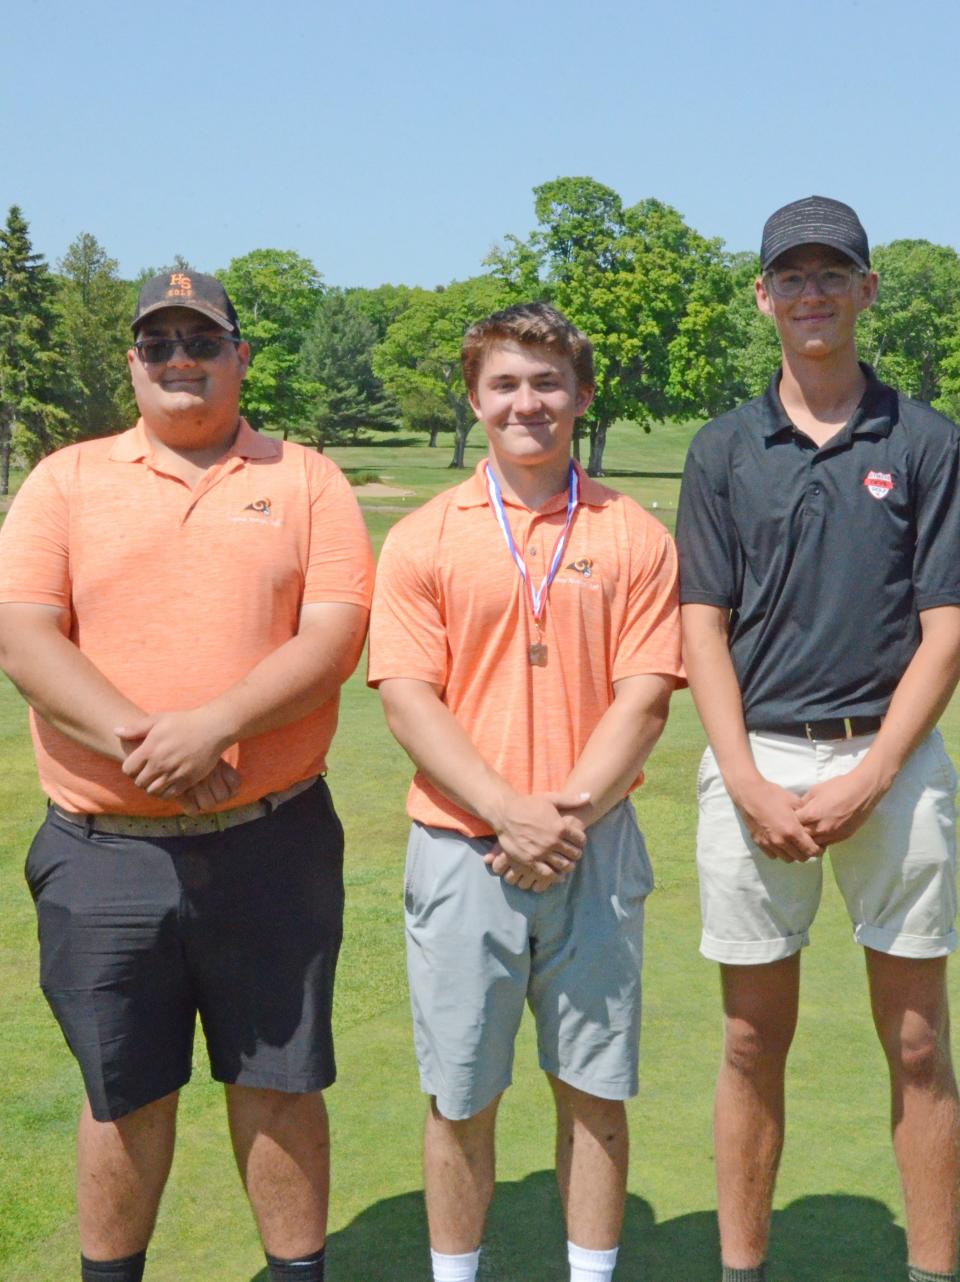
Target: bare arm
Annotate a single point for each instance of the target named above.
(769, 811)
(171, 751)
(614, 754)
(613, 757)
(74, 696)
(621, 741)
(58, 680)
(532, 830)
(834, 810)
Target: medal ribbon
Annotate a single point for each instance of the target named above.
(537, 597)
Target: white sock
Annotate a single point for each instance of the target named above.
(591, 1266)
(455, 1268)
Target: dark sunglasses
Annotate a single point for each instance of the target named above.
(202, 347)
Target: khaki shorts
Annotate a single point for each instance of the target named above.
(478, 949)
(897, 873)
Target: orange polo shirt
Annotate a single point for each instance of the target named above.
(450, 608)
(176, 593)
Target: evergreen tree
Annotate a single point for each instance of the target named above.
(337, 358)
(31, 370)
(94, 330)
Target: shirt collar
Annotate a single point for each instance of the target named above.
(473, 492)
(874, 416)
(134, 445)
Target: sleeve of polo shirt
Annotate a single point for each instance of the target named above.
(34, 552)
(936, 563)
(407, 633)
(340, 561)
(648, 641)
(705, 537)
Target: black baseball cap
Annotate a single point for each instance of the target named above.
(193, 290)
(815, 220)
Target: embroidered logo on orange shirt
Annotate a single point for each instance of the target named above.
(582, 566)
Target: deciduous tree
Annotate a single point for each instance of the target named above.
(419, 359)
(756, 352)
(275, 292)
(649, 291)
(949, 398)
(908, 332)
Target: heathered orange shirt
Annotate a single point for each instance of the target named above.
(450, 608)
(175, 594)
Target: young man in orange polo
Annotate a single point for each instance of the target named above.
(180, 605)
(525, 641)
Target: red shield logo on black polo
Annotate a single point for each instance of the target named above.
(879, 484)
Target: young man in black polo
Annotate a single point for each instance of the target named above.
(819, 530)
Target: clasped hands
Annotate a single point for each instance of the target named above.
(796, 828)
(179, 756)
(540, 838)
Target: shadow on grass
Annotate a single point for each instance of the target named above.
(835, 1238)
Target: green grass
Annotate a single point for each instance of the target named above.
(16, 480)
(838, 1211)
(631, 462)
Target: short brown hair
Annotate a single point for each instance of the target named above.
(529, 325)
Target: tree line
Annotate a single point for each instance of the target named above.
(669, 311)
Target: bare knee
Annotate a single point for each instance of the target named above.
(752, 1049)
(465, 1132)
(760, 1015)
(264, 1121)
(264, 1105)
(144, 1136)
(122, 1167)
(919, 1058)
(604, 1119)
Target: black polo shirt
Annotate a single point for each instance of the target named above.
(823, 556)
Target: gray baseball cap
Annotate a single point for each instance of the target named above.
(815, 220)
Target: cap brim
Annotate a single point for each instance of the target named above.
(817, 240)
(185, 304)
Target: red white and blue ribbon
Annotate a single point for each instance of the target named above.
(536, 596)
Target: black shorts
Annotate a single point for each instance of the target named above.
(138, 935)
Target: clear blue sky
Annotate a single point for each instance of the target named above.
(399, 142)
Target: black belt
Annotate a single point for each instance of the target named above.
(833, 728)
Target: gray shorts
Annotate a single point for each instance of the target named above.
(477, 949)
(897, 873)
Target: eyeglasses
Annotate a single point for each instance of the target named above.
(201, 347)
(833, 281)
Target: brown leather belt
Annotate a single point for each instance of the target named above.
(184, 825)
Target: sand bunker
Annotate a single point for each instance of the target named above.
(378, 490)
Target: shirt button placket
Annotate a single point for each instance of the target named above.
(533, 531)
(814, 489)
